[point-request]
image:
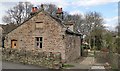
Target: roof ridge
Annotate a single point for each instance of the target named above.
(58, 20)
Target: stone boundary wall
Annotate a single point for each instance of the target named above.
(72, 44)
(101, 57)
(33, 57)
(111, 58)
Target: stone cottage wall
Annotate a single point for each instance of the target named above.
(110, 57)
(72, 47)
(51, 32)
(34, 57)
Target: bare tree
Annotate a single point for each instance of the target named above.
(76, 19)
(50, 8)
(18, 13)
(6, 19)
(93, 20)
(92, 27)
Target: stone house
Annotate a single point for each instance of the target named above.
(46, 33)
(4, 29)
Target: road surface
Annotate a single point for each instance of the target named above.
(11, 65)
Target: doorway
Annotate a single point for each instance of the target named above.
(13, 43)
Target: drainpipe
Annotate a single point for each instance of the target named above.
(81, 37)
(3, 38)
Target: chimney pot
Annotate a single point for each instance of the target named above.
(41, 5)
(59, 11)
(34, 9)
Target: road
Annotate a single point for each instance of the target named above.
(11, 65)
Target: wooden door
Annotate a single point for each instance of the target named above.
(14, 43)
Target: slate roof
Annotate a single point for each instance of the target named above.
(7, 28)
(68, 31)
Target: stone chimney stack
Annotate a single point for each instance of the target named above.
(42, 7)
(34, 9)
(59, 13)
(70, 25)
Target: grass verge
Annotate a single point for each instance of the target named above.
(67, 65)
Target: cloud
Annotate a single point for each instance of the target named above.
(111, 19)
(6, 4)
(12, 0)
(66, 3)
(77, 3)
(111, 23)
(2, 12)
(59, 3)
(76, 12)
(87, 3)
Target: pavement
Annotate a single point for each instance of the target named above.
(85, 64)
(88, 63)
(97, 67)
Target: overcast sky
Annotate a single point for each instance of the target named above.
(107, 8)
